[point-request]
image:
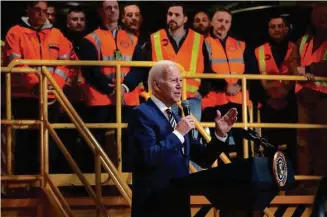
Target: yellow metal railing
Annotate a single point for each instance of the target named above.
(245, 124)
(45, 126)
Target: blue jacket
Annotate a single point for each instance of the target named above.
(158, 158)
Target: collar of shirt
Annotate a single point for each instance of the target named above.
(160, 105)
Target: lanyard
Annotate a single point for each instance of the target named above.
(117, 52)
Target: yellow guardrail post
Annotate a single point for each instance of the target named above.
(44, 113)
(245, 118)
(43, 150)
(119, 116)
(9, 127)
(184, 97)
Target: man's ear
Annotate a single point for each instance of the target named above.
(185, 19)
(212, 23)
(155, 85)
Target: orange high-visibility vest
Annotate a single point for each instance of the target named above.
(229, 62)
(307, 57)
(105, 44)
(267, 66)
(46, 44)
(190, 55)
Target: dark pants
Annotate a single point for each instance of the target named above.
(105, 114)
(209, 114)
(27, 142)
(311, 143)
(277, 136)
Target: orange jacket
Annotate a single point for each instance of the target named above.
(105, 44)
(23, 42)
(267, 66)
(75, 83)
(229, 62)
(190, 55)
(307, 58)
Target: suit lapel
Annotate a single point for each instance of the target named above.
(167, 125)
(159, 112)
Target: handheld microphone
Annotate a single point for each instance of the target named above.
(186, 109)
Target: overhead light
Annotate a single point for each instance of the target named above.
(74, 4)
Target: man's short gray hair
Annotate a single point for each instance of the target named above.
(157, 70)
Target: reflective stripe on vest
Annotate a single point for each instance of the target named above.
(112, 58)
(193, 85)
(262, 62)
(195, 53)
(226, 61)
(278, 90)
(303, 42)
(315, 85)
(14, 55)
(208, 46)
(108, 58)
(64, 57)
(97, 43)
(56, 71)
(223, 60)
(157, 46)
(193, 63)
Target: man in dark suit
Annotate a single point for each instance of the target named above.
(161, 149)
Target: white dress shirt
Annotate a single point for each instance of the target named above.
(162, 107)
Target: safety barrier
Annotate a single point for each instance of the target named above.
(101, 157)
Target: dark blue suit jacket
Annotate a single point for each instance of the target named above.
(158, 158)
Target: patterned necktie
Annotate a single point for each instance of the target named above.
(171, 118)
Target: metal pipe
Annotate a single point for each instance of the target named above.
(60, 211)
(253, 77)
(88, 125)
(270, 125)
(31, 124)
(42, 133)
(44, 113)
(245, 118)
(21, 122)
(150, 64)
(118, 116)
(21, 177)
(98, 179)
(307, 178)
(9, 128)
(59, 196)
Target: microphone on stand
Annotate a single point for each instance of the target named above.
(186, 110)
(253, 136)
